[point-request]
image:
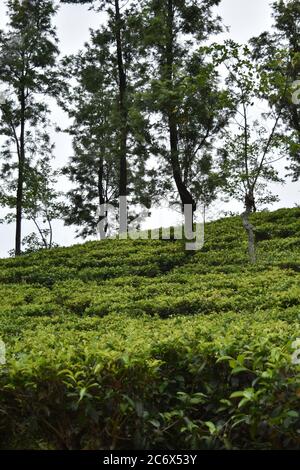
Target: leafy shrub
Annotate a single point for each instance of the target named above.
(180, 383)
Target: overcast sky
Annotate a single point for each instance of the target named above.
(245, 18)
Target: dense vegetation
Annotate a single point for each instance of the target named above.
(130, 344)
(159, 109)
(139, 344)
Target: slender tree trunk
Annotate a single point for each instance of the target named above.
(19, 212)
(50, 230)
(250, 207)
(51, 234)
(184, 194)
(122, 102)
(20, 185)
(44, 240)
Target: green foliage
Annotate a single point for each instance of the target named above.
(28, 52)
(182, 91)
(278, 53)
(137, 344)
(110, 129)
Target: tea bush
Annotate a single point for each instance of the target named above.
(138, 344)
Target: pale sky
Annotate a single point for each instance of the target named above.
(246, 18)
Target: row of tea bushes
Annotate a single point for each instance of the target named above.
(208, 382)
(177, 293)
(138, 344)
(225, 250)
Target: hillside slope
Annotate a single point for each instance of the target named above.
(139, 344)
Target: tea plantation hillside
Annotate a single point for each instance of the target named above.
(140, 344)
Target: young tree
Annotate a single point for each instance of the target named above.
(43, 204)
(253, 143)
(28, 49)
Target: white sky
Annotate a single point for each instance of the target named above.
(246, 18)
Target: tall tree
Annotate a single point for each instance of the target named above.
(203, 112)
(117, 32)
(28, 49)
(41, 203)
(172, 30)
(252, 144)
(279, 52)
(93, 169)
(93, 104)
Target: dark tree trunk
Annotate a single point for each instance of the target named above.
(20, 186)
(184, 194)
(101, 197)
(122, 102)
(19, 212)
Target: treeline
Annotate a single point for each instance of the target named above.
(157, 108)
